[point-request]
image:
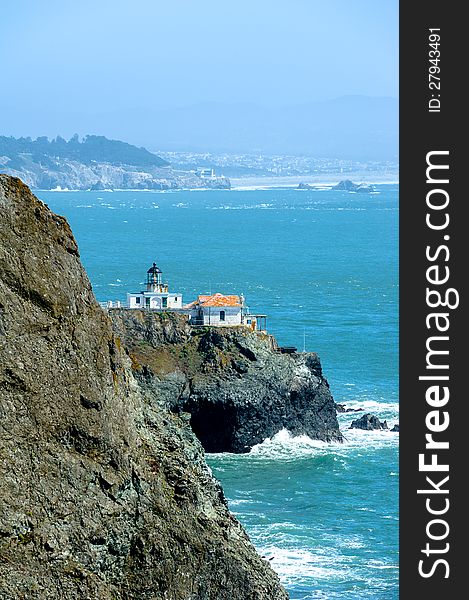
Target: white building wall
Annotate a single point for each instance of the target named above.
(132, 301)
(175, 300)
(212, 315)
(156, 300)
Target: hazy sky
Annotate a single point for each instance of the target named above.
(94, 56)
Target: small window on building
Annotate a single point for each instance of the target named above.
(164, 302)
(222, 315)
(175, 298)
(137, 300)
(147, 302)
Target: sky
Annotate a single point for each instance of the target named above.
(63, 60)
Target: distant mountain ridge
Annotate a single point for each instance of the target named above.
(350, 127)
(94, 163)
(358, 128)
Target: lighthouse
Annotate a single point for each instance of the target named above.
(156, 296)
(155, 280)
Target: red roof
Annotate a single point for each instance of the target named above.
(216, 300)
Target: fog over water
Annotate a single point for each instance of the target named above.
(164, 74)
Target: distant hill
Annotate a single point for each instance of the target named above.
(93, 148)
(357, 128)
(95, 163)
(352, 128)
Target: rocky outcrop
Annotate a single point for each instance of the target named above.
(395, 429)
(96, 163)
(68, 174)
(368, 422)
(305, 186)
(236, 384)
(342, 408)
(348, 186)
(104, 494)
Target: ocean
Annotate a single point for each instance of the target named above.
(323, 265)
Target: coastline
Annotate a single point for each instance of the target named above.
(320, 180)
(260, 183)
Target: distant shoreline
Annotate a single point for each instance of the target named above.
(257, 183)
(320, 180)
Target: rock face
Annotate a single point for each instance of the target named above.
(348, 186)
(73, 175)
(103, 495)
(236, 384)
(342, 408)
(369, 423)
(96, 163)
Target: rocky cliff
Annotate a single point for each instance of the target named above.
(73, 175)
(95, 163)
(236, 384)
(104, 494)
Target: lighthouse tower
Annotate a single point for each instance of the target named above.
(155, 279)
(156, 295)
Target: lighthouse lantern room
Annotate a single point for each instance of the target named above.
(156, 296)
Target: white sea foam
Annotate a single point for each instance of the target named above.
(345, 541)
(364, 441)
(239, 501)
(242, 184)
(263, 205)
(251, 188)
(378, 564)
(284, 446)
(371, 405)
(297, 565)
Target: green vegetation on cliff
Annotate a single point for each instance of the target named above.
(93, 148)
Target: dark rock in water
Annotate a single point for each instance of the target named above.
(348, 186)
(341, 408)
(345, 185)
(235, 383)
(396, 428)
(305, 186)
(369, 423)
(363, 188)
(104, 494)
(97, 186)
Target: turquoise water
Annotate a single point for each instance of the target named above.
(324, 266)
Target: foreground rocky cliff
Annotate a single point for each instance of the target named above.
(103, 493)
(236, 384)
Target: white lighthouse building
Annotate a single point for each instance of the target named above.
(157, 295)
